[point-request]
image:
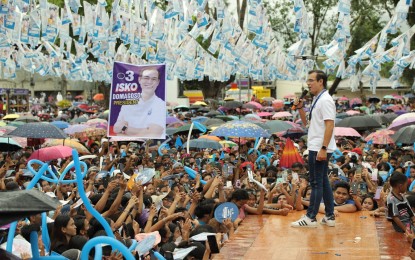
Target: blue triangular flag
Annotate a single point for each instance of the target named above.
(408, 171)
(222, 155)
(178, 143)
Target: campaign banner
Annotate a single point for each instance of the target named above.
(138, 101)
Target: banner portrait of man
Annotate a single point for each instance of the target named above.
(137, 103)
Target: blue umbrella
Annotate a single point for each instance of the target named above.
(238, 128)
(204, 143)
(200, 119)
(60, 124)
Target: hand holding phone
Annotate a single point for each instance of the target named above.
(213, 244)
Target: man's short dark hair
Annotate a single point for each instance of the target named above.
(320, 75)
(342, 184)
(397, 178)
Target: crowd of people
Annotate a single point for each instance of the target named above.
(176, 208)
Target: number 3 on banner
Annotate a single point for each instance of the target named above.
(130, 75)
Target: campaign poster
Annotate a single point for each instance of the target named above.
(138, 101)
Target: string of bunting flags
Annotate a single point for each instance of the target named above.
(38, 36)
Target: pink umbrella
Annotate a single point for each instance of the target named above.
(346, 131)
(381, 137)
(262, 114)
(292, 123)
(402, 120)
(282, 114)
(51, 153)
(352, 112)
(343, 98)
(355, 101)
(256, 104)
(396, 96)
(268, 109)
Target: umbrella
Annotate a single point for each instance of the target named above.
(200, 119)
(268, 109)
(240, 129)
(5, 130)
(91, 131)
(96, 121)
(15, 205)
(382, 136)
(38, 130)
(204, 144)
(352, 112)
(409, 95)
(200, 103)
(232, 104)
(172, 119)
(2, 123)
(27, 119)
(213, 121)
(98, 97)
(72, 129)
(255, 105)
(195, 106)
(342, 115)
(228, 99)
(73, 143)
(60, 124)
(51, 153)
(79, 120)
(268, 99)
(359, 122)
(170, 130)
(79, 97)
(226, 143)
(400, 112)
(210, 137)
(16, 123)
(11, 117)
(343, 98)
(282, 114)
(278, 126)
(7, 144)
(253, 117)
(395, 96)
(290, 155)
(225, 118)
(181, 108)
(186, 128)
(355, 101)
(383, 118)
(295, 132)
(346, 131)
(405, 135)
(264, 114)
(402, 120)
(388, 97)
(374, 100)
(213, 113)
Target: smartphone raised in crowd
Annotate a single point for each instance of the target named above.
(213, 244)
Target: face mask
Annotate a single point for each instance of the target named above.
(383, 173)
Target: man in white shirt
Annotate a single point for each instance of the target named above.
(146, 118)
(321, 145)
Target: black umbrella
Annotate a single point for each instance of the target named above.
(213, 121)
(203, 109)
(374, 100)
(38, 130)
(7, 144)
(15, 205)
(186, 128)
(232, 104)
(213, 113)
(195, 107)
(405, 135)
(359, 122)
(203, 143)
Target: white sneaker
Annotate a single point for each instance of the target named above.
(329, 221)
(305, 221)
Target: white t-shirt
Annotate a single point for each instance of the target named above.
(141, 115)
(324, 109)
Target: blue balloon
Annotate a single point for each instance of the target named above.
(85, 199)
(84, 172)
(161, 147)
(158, 255)
(192, 174)
(113, 242)
(337, 154)
(252, 150)
(263, 157)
